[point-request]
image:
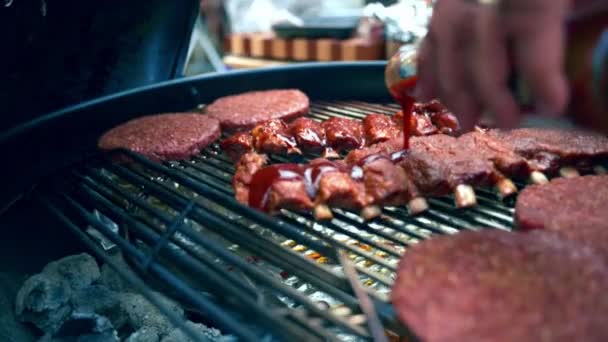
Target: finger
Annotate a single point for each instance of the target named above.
(537, 30)
(491, 71)
(455, 68)
(443, 22)
(426, 86)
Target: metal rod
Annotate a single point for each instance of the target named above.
(375, 326)
(131, 278)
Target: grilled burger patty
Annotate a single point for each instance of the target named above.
(575, 208)
(501, 286)
(163, 137)
(243, 111)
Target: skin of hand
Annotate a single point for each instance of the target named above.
(470, 49)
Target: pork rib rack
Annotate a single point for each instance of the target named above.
(337, 134)
(435, 165)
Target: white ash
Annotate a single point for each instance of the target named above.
(144, 335)
(177, 335)
(44, 299)
(141, 313)
(110, 279)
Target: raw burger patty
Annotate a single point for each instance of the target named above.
(500, 286)
(245, 110)
(164, 136)
(575, 208)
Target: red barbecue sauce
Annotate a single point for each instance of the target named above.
(262, 181)
(401, 93)
(265, 177)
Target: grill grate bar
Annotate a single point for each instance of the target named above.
(250, 270)
(307, 270)
(223, 320)
(131, 278)
(289, 231)
(295, 262)
(234, 287)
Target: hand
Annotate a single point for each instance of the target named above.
(470, 49)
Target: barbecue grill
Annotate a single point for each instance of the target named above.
(252, 275)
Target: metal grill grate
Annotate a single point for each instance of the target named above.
(180, 227)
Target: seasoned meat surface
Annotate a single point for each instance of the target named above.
(288, 194)
(335, 185)
(237, 145)
(163, 137)
(437, 164)
(492, 149)
(309, 134)
(246, 167)
(574, 208)
(387, 183)
(344, 134)
(547, 149)
(243, 111)
(273, 137)
(379, 128)
(492, 285)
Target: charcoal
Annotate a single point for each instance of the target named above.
(83, 327)
(10, 329)
(78, 270)
(141, 313)
(44, 299)
(111, 279)
(177, 335)
(100, 300)
(144, 335)
(81, 324)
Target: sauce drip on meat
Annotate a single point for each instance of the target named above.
(263, 180)
(401, 92)
(313, 173)
(310, 174)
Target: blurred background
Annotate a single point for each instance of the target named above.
(58, 53)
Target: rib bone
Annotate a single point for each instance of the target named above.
(568, 172)
(418, 205)
(537, 177)
(464, 196)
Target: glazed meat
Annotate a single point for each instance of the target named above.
(384, 174)
(163, 137)
(420, 124)
(500, 286)
(237, 145)
(575, 209)
(274, 137)
(441, 117)
(446, 122)
(379, 128)
(385, 182)
(335, 186)
(309, 134)
(344, 134)
(246, 167)
(341, 134)
(244, 111)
